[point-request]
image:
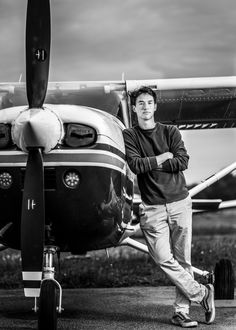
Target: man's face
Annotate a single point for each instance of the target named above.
(145, 107)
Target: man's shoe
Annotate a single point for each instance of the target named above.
(183, 320)
(208, 304)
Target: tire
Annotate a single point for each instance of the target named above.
(224, 280)
(47, 316)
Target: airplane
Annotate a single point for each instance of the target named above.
(64, 181)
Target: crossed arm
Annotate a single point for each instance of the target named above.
(172, 161)
(163, 157)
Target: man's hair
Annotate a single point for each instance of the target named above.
(142, 90)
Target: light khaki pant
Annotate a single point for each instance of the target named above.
(168, 233)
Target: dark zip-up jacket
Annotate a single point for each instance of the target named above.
(157, 185)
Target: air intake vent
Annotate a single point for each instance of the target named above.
(79, 136)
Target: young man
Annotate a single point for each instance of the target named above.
(156, 153)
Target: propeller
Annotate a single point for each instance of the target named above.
(38, 38)
(33, 223)
(33, 205)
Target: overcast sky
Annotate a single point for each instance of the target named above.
(144, 39)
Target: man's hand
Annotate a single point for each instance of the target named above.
(163, 157)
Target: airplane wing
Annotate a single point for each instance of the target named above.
(91, 94)
(189, 103)
(194, 103)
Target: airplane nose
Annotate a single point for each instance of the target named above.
(40, 128)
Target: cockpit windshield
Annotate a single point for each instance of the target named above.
(94, 97)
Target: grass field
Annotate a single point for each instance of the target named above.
(214, 237)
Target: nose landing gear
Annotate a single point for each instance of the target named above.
(49, 301)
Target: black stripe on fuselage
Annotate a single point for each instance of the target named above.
(102, 146)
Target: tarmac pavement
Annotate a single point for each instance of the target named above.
(133, 308)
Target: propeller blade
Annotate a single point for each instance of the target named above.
(38, 39)
(33, 223)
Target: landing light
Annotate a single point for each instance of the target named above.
(71, 179)
(5, 180)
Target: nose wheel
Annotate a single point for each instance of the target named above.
(224, 280)
(47, 317)
(50, 294)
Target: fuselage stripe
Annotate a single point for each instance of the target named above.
(85, 152)
(99, 149)
(58, 164)
(57, 158)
